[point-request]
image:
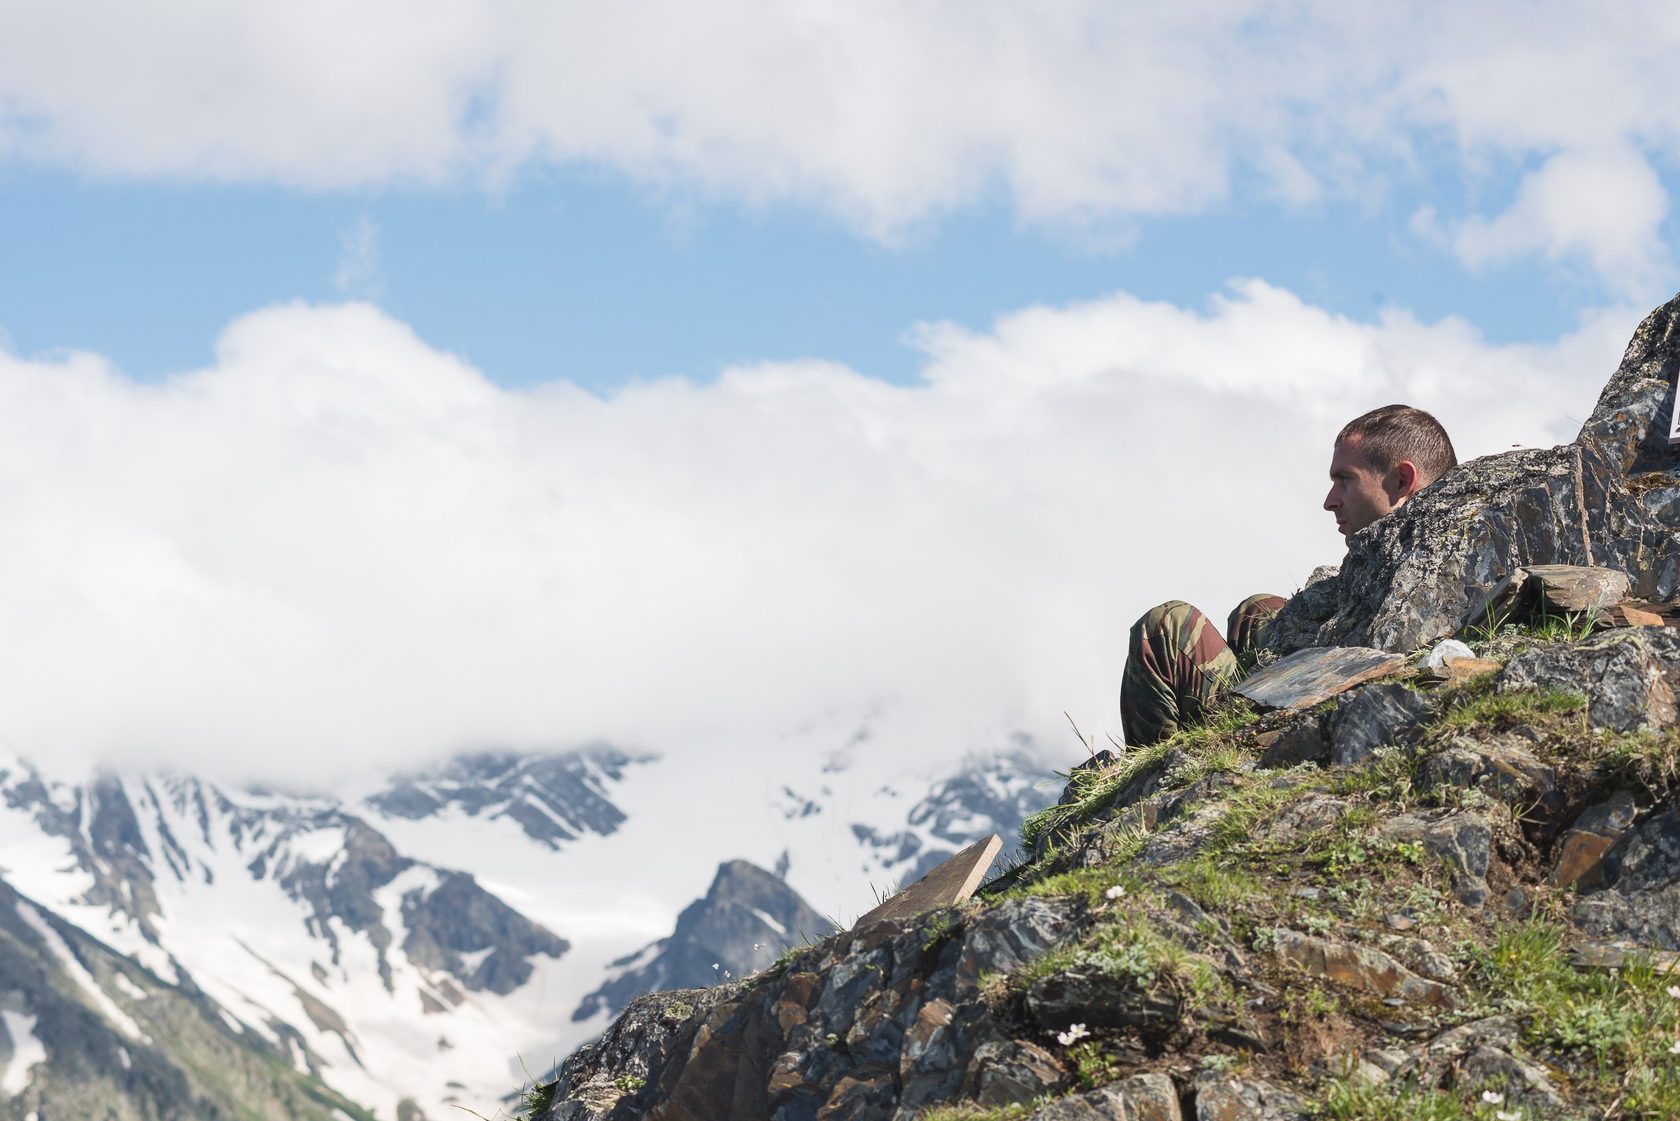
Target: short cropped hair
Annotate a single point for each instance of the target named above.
(1396, 432)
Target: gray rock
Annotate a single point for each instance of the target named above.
(1014, 934)
(1429, 568)
(1421, 955)
(1143, 1097)
(1088, 995)
(1358, 967)
(1501, 767)
(1579, 859)
(1373, 717)
(1629, 676)
(1223, 1098)
(1641, 901)
(1463, 841)
(1303, 741)
(1523, 1083)
(1574, 589)
(1309, 815)
(1433, 1063)
(1010, 1072)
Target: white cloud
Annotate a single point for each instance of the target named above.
(337, 545)
(1604, 207)
(882, 112)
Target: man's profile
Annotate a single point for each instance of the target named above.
(1178, 664)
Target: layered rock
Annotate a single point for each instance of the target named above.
(1610, 499)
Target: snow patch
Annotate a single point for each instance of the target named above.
(472, 959)
(74, 967)
(317, 846)
(128, 988)
(27, 1051)
(769, 921)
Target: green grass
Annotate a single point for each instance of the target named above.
(1091, 790)
(1213, 880)
(1480, 708)
(1648, 760)
(1353, 1101)
(1623, 1020)
(1202, 750)
(1090, 883)
(1502, 630)
(968, 1112)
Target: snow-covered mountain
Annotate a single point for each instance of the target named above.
(425, 942)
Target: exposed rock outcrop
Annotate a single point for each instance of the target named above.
(1434, 894)
(1610, 499)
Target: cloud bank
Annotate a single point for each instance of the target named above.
(337, 547)
(884, 113)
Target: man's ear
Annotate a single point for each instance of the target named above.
(1405, 477)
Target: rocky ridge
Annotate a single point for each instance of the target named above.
(1452, 892)
(746, 919)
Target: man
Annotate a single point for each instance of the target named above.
(1178, 664)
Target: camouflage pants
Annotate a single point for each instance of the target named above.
(1178, 665)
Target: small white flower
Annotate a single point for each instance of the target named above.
(714, 965)
(1674, 1048)
(1074, 1033)
(1674, 991)
(1508, 1115)
(1493, 1097)
(1115, 892)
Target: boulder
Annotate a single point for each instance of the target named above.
(1574, 589)
(1011, 1072)
(1373, 717)
(1092, 996)
(1303, 740)
(1630, 677)
(1462, 841)
(1358, 967)
(1224, 1098)
(1607, 500)
(1641, 899)
(1143, 1097)
(1525, 1085)
(1502, 767)
(1580, 854)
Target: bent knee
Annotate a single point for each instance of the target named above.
(1172, 615)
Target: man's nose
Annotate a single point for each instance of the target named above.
(1330, 502)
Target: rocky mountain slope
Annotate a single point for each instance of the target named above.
(1446, 894)
(744, 921)
(414, 946)
(86, 1032)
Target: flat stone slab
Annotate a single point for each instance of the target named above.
(951, 882)
(1307, 677)
(1603, 955)
(1578, 588)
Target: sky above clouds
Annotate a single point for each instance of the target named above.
(385, 379)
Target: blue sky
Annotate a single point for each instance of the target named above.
(587, 277)
(383, 379)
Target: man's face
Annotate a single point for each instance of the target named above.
(1359, 493)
